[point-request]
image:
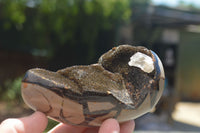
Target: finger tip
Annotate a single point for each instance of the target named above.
(40, 116)
(127, 127)
(131, 123)
(36, 122)
(110, 125)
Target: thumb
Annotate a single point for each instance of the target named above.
(35, 123)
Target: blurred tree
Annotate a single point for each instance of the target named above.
(48, 26)
(187, 6)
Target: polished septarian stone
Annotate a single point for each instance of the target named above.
(126, 83)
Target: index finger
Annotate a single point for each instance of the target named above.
(127, 127)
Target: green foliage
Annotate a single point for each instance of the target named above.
(51, 124)
(49, 24)
(14, 11)
(13, 91)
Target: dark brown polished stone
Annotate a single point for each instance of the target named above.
(126, 83)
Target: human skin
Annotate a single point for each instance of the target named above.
(37, 122)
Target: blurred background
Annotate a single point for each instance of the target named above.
(54, 34)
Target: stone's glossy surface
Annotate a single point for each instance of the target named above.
(87, 95)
